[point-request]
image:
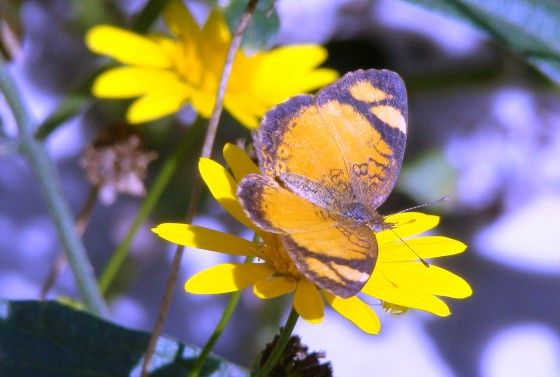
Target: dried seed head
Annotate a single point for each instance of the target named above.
(116, 162)
(295, 360)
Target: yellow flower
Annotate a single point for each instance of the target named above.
(399, 279)
(168, 72)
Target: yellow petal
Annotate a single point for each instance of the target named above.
(384, 289)
(128, 82)
(425, 247)
(254, 102)
(274, 287)
(308, 57)
(179, 21)
(260, 81)
(277, 76)
(355, 310)
(157, 104)
(317, 79)
(432, 279)
(225, 278)
(279, 88)
(203, 58)
(238, 107)
(308, 302)
(239, 162)
(203, 100)
(207, 239)
(223, 187)
(126, 47)
(248, 106)
(215, 29)
(406, 224)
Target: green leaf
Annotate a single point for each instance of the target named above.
(262, 29)
(529, 27)
(49, 339)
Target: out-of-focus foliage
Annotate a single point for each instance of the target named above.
(529, 27)
(261, 32)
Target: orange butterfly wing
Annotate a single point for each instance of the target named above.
(336, 154)
(350, 137)
(328, 249)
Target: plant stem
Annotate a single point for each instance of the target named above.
(226, 316)
(197, 185)
(280, 346)
(154, 193)
(80, 226)
(148, 15)
(47, 178)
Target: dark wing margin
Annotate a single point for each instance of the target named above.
(373, 157)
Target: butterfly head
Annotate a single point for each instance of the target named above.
(362, 214)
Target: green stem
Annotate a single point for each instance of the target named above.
(280, 346)
(148, 15)
(155, 192)
(226, 316)
(7, 146)
(80, 227)
(47, 178)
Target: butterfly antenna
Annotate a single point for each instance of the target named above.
(444, 199)
(440, 200)
(411, 249)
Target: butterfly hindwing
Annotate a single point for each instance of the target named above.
(335, 254)
(275, 209)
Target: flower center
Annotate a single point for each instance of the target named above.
(275, 254)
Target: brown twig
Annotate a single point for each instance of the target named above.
(80, 226)
(197, 185)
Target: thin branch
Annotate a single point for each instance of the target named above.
(197, 185)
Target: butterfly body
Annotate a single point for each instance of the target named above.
(361, 214)
(328, 162)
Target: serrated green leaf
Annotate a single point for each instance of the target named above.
(529, 27)
(49, 339)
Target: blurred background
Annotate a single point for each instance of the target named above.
(484, 128)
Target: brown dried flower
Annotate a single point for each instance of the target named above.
(295, 360)
(116, 162)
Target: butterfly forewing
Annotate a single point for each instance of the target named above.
(366, 113)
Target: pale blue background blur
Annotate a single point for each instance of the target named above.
(484, 128)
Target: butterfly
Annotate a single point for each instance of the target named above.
(327, 163)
